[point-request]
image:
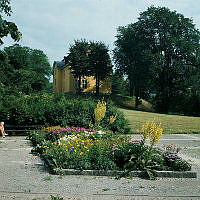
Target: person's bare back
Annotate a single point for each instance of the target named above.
(2, 129)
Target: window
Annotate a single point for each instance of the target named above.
(84, 84)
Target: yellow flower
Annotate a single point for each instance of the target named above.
(112, 119)
(81, 153)
(99, 111)
(51, 128)
(152, 131)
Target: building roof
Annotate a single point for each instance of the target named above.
(59, 64)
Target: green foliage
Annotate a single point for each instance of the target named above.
(119, 85)
(175, 162)
(89, 59)
(133, 59)
(96, 150)
(79, 150)
(160, 54)
(174, 42)
(24, 70)
(100, 65)
(7, 27)
(137, 156)
(78, 60)
(57, 109)
(56, 197)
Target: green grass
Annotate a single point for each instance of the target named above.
(171, 124)
(129, 103)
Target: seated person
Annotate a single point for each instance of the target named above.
(2, 129)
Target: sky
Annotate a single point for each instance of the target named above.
(53, 25)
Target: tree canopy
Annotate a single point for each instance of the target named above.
(7, 27)
(100, 65)
(89, 59)
(24, 69)
(164, 43)
(133, 59)
(77, 59)
(174, 41)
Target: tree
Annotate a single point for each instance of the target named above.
(119, 84)
(159, 50)
(29, 69)
(89, 59)
(78, 61)
(132, 59)
(5, 70)
(100, 65)
(174, 42)
(7, 27)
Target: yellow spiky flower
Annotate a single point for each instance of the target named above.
(152, 131)
(100, 111)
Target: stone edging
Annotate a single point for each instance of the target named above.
(166, 174)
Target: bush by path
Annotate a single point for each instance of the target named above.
(57, 109)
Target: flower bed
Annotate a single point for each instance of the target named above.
(89, 149)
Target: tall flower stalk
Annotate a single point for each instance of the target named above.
(99, 111)
(152, 131)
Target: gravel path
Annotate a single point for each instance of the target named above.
(23, 176)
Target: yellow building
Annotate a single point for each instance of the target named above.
(64, 81)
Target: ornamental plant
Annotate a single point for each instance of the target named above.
(112, 119)
(152, 131)
(100, 111)
(80, 148)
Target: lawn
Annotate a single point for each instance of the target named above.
(170, 123)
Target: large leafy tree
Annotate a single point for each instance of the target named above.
(100, 65)
(7, 27)
(164, 43)
(89, 59)
(78, 61)
(29, 69)
(174, 42)
(133, 59)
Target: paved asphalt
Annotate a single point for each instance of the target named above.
(23, 177)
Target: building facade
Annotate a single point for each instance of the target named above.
(64, 81)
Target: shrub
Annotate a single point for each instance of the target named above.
(58, 109)
(176, 163)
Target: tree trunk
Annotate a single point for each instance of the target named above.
(79, 84)
(131, 88)
(97, 84)
(136, 97)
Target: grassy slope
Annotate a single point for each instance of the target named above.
(129, 103)
(170, 123)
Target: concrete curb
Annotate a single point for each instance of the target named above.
(161, 174)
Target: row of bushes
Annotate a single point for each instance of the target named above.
(58, 109)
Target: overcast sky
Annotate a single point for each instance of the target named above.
(52, 25)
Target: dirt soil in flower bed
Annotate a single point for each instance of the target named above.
(23, 176)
